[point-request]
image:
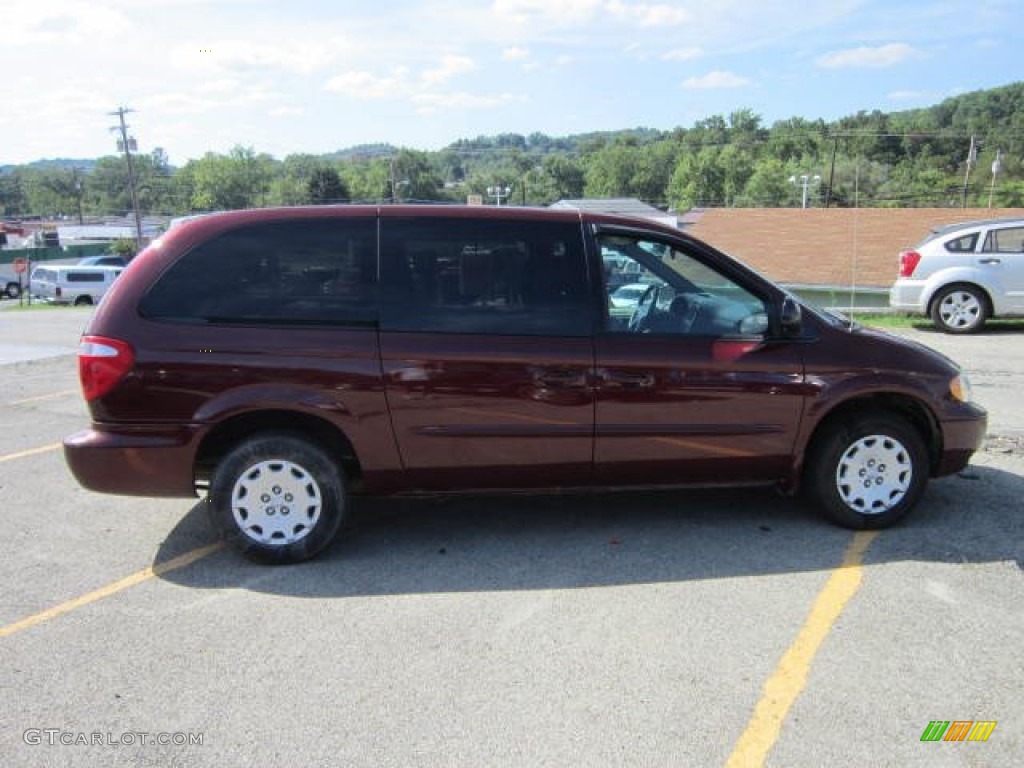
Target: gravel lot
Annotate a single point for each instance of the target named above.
(632, 629)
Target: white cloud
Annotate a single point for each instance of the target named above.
(647, 14)
(461, 100)
(878, 57)
(450, 67)
(557, 12)
(715, 80)
(683, 54)
(302, 58)
(286, 112)
(515, 54)
(222, 85)
(366, 85)
(61, 22)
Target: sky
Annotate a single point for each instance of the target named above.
(315, 76)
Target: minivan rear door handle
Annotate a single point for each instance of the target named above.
(990, 261)
(561, 378)
(624, 379)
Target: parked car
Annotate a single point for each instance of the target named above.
(963, 274)
(102, 261)
(62, 284)
(629, 295)
(329, 351)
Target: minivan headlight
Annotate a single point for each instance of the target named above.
(960, 388)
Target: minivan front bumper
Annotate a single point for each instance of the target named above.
(960, 439)
(150, 461)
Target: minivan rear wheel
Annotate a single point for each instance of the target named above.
(868, 472)
(278, 498)
(959, 309)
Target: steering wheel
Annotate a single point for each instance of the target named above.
(643, 308)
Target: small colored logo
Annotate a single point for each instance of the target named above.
(958, 730)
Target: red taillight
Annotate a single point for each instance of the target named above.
(908, 262)
(102, 363)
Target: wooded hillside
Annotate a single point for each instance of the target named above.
(917, 158)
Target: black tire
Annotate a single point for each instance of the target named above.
(960, 309)
(868, 471)
(13, 290)
(83, 301)
(301, 503)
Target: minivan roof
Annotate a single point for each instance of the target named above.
(203, 226)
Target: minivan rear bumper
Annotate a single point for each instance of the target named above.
(158, 462)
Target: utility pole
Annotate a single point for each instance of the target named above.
(127, 145)
(832, 173)
(77, 182)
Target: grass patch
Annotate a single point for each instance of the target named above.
(13, 305)
(890, 320)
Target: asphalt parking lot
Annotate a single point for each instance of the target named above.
(693, 628)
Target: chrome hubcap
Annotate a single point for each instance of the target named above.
(874, 474)
(960, 309)
(276, 503)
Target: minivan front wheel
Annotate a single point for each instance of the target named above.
(278, 498)
(868, 472)
(959, 309)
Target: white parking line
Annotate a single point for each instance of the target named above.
(30, 452)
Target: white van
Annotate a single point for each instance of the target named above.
(61, 284)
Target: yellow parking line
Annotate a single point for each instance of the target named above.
(30, 452)
(110, 589)
(790, 676)
(51, 396)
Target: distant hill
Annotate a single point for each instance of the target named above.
(66, 163)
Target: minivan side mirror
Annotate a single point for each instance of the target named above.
(790, 317)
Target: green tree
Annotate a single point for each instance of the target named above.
(240, 179)
(698, 179)
(768, 186)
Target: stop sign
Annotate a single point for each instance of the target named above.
(20, 264)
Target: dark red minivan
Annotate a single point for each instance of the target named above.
(280, 359)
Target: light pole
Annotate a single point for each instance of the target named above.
(972, 159)
(499, 193)
(997, 167)
(804, 180)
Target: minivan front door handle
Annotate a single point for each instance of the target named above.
(990, 261)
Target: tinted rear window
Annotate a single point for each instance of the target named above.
(302, 272)
(492, 277)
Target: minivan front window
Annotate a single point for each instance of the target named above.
(685, 296)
